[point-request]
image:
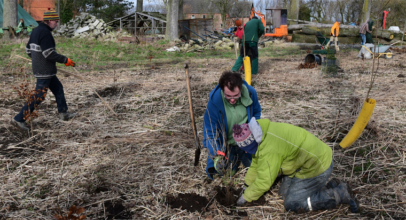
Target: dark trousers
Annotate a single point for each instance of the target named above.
(56, 88)
(299, 193)
(251, 50)
(238, 156)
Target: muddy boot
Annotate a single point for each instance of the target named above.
(333, 183)
(66, 116)
(20, 125)
(345, 195)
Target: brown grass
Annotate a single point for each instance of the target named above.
(145, 153)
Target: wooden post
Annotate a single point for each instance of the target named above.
(135, 24)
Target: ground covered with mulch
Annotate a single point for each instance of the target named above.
(137, 162)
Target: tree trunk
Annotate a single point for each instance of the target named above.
(294, 10)
(180, 12)
(319, 25)
(366, 11)
(345, 32)
(10, 16)
(140, 5)
(172, 20)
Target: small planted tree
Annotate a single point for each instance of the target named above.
(30, 96)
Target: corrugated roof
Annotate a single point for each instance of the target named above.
(28, 20)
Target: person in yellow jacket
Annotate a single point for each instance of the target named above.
(334, 34)
(304, 162)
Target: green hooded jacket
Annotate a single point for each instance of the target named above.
(285, 150)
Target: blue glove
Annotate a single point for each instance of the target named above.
(241, 201)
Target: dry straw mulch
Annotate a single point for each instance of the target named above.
(126, 166)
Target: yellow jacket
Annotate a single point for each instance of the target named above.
(336, 27)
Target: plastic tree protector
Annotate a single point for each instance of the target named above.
(360, 123)
(247, 69)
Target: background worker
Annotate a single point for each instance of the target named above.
(304, 162)
(369, 38)
(253, 30)
(363, 30)
(231, 102)
(239, 32)
(41, 49)
(334, 34)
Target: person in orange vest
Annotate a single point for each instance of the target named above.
(334, 34)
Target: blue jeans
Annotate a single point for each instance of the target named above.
(296, 193)
(363, 38)
(56, 88)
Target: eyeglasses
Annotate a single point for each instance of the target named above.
(229, 98)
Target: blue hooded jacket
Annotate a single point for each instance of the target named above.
(215, 121)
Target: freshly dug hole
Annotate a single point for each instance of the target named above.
(189, 201)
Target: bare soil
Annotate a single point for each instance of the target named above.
(138, 164)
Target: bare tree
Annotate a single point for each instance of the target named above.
(140, 4)
(224, 7)
(294, 9)
(366, 10)
(172, 19)
(10, 16)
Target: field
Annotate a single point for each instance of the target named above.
(137, 162)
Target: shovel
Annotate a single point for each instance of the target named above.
(192, 117)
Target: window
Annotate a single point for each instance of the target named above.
(193, 17)
(204, 16)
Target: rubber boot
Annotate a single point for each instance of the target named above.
(66, 116)
(20, 125)
(344, 195)
(333, 183)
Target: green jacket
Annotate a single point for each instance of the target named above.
(253, 30)
(285, 150)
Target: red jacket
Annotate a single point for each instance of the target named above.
(240, 32)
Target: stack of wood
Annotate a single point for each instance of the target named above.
(306, 33)
(84, 26)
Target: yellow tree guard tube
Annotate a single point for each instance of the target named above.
(247, 69)
(359, 124)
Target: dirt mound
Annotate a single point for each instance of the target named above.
(189, 201)
(116, 90)
(308, 65)
(399, 50)
(229, 196)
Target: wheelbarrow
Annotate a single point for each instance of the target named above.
(381, 51)
(320, 39)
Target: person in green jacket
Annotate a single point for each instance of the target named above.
(304, 162)
(369, 38)
(253, 30)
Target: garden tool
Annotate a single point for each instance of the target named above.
(192, 117)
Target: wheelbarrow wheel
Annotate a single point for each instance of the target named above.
(388, 56)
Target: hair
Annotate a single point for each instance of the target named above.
(231, 80)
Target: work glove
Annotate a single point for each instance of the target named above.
(243, 189)
(220, 165)
(70, 63)
(241, 201)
